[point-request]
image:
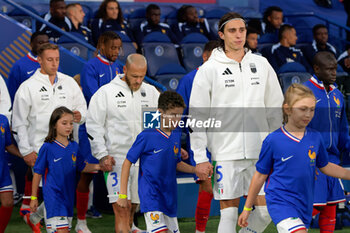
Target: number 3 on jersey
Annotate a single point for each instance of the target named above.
(114, 177)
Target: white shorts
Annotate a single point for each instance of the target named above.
(55, 223)
(290, 225)
(157, 221)
(232, 178)
(112, 180)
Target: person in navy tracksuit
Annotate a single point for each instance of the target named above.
(330, 120)
(285, 52)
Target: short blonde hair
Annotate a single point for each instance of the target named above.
(47, 46)
(294, 93)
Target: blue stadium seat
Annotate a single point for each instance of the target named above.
(192, 49)
(286, 79)
(136, 17)
(156, 37)
(171, 17)
(169, 75)
(265, 49)
(214, 15)
(292, 67)
(165, 10)
(127, 47)
(247, 12)
(73, 46)
(268, 38)
(130, 8)
(21, 17)
(88, 14)
(159, 54)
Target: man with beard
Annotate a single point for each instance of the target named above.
(113, 122)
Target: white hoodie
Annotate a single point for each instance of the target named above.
(114, 117)
(34, 103)
(245, 96)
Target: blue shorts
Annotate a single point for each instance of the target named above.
(328, 190)
(5, 178)
(85, 147)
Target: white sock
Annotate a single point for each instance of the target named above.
(134, 227)
(80, 221)
(258, 220)
(91, 194)
(197, 231)
(228, 220)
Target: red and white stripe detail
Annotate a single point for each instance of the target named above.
(298, 229)
(160, 229)
(162, 133)
(103, 60)
(289, 135)
(31, 57)
(60, 144)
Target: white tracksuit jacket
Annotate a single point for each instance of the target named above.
(34, 103)
(114, 117)
(245, 96)
(5, 100)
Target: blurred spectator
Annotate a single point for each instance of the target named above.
(285, 52)
(272, 20)
(5, 101)
(188, 22)
(320, 43)
(76, 15)
(110, 18)
(153, 24)
(347, 10)
(101, 69)
(27, 65)
(56, 16)
(344, 60)
(252, 40)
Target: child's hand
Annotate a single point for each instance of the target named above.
(184, 154)
(33, 205)
(242, 220)
(122, 202)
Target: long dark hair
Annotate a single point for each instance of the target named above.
(226, 17)
(102, 11)
(55, 116)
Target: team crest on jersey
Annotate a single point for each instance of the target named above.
(74, 158)
(294, 55)
(176, 150)
(116, 72)
(312, 156)
(163, 31)
(2, 129)
(155, 218)
(337, 101)
(201, 30)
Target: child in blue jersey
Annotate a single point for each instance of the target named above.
(6, 189)
(287, 163)
(58, 160)
(159, 154)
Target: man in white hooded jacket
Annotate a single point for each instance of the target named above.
(113, 122)
(35, 101)
(241, 90)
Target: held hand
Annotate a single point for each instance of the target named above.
(242, 220)
(347, 62)
(30, 158)
(184, 154)
(122, 202)
(107, 163)
(76, 116)
(33, 205)
(203, 170)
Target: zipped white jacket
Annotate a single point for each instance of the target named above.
(35, 100)
(5, 100)
(246, 97)
(114, 117)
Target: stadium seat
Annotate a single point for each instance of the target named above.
(192, 47)
(159, 52)
(291, 67)
(214, 15)
(73, 46)
(268, 38)
(171, 17)
(130, 8)
(265, 49)
(247, 12)
(286, 79)
(88, 14)
(165, 10)
(136, 17)
(21, 17)
(169, 75)
(127, 47)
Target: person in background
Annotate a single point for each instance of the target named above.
(5, 100)
(153, 24)
(56, 16)
(27, 65)
(320, 43)
(110, 18)
(285, 52)
(189, 22)
(76, 15)
(252, 40)
(272, 20)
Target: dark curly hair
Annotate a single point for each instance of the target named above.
(102, 11)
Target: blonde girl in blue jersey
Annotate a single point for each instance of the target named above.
(58, 161)
(287, 163)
